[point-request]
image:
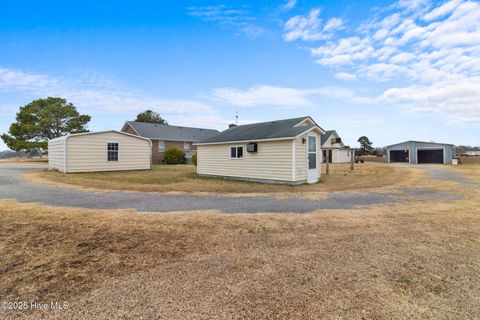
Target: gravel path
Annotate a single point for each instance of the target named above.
(12, 186)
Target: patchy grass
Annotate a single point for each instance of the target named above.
(183, 178)
(416, 260)
(470, 170)
(17, 160)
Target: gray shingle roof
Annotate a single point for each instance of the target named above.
(327, 135)
(261, 131)
(167, 132)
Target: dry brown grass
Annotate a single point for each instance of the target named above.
(470, 170)
(17, 160)
(417, 260)
(182, 178)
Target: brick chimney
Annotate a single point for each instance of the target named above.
(231, 125)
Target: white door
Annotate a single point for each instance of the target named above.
(312, 155)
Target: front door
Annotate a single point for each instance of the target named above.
(312, 172)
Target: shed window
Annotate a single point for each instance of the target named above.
(112, 151)
(186, 145)
(236, 152)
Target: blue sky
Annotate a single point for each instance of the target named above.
(389, 70)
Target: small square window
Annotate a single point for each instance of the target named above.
(186, 145)
(112, 151)
(161, 146)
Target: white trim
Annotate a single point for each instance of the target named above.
(294, 169)
(230, 152)
(314, 123)
(431, 148)
(128, 123)
(316, 169)
(98, 132)
(118, 153)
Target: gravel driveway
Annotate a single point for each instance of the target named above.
(12, 186)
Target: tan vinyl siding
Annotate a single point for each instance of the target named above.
(300, 159)
(56, 156)
(86, 153)
(273, 161)
(341, 155)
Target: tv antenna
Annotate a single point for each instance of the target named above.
(236, 118)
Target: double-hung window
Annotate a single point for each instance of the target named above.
(112, 151)
(186, 146)
(236, 152)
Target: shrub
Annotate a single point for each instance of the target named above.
(174, 156)
(194, 159)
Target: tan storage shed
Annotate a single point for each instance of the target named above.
(283, 151)
(99, 151)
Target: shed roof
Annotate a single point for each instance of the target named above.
(278, 129)
(70, 135)
(168, 132)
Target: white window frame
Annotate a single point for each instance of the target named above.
(186, 143)
(118, 153)
(164, 145)
(236, 152)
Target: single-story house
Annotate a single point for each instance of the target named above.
(283, 151)
(417, 152)
(337, 151)
(99, 151)
(166, 136)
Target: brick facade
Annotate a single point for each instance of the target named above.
(157, 156)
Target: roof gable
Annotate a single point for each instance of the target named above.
(168, 132)
(279, 129)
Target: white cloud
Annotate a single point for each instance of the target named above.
(345, 76)
(289, 4)
(262, 95)
(281, 97)
(417, 43)
(309, 28)
(333, 24)
(238, 18)
(95, 93)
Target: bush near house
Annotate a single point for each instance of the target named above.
(194, 159)
(174, 156)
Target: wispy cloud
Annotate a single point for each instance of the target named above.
(310, 27)
(238, 18)
(288, 5)
(96, 93)
(282, 97)
(434, 48)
